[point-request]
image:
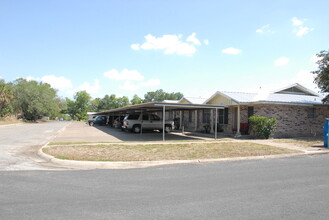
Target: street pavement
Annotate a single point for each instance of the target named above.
(285, 188)
(19, 144)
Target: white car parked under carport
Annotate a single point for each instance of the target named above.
(138, 122)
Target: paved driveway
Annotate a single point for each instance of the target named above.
(81, 132)
(19, 144)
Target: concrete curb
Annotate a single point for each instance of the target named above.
(144, 164)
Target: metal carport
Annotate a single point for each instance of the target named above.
(161, 106)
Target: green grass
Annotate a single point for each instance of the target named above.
(138, 142)
(153, 152)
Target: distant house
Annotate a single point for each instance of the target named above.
(298, 110)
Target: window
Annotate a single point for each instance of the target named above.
(223, 116)
(154, 118)
(250, 111)
(190, 116)
(133, 117)
(145, 117)
(206, 116)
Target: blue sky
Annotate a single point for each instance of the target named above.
(131, 47)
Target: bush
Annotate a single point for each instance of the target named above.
(262, 127)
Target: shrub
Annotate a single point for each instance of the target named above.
(262, 127)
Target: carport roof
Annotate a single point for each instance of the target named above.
(158, 106)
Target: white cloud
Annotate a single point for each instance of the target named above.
(30, 78)
(281, 61)
(57, 82)
(129, 86)
(151, 82)
(231, 50)
(60, 82)
(206, 42)
(135, 46)
(303, 77)
(265, 29)
(193, 39)
(125, 74)
(170, 44)
(301, 29)
(296, 21)
(88, 87)
(133, 80)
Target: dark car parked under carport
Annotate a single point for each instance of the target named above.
(98, 120)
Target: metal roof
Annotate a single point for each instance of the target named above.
(158, 106)
(273, 98)
(195, 100)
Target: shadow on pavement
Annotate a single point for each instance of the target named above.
(151, 135)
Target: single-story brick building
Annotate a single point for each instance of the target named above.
(298, 110)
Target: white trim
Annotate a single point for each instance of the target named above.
(222, 94)
(306, 90)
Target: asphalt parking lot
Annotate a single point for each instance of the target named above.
(81, 132)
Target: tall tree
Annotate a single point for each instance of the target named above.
(78, 108)
(136, 100)
(95, 105)
(122, 101)
(108, 102)
(322, 74)
(6, 97)
(160, 95)
(35, 99)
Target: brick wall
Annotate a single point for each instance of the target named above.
(293, 121)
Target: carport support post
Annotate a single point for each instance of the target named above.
(141, 121)
(216, 120)
(238, 134)
(195, 120)
(180, 119)
(163, 122)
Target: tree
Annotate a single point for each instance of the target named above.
(136, 100)
(322, 74)
(35, 99)
(78, 108)
(95, 105)
(6, 97)
(160, 95)
(122, 101)
(108, 102)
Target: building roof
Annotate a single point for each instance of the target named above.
(194, 100)
(293, 94)
(170, 101)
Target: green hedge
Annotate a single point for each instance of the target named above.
(262, 127)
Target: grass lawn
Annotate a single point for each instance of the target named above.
(153, 152)
(302, 142)
(9, 122)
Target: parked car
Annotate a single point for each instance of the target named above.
(98, 120)
(90, 122)
(118, 122)
(134, 123)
